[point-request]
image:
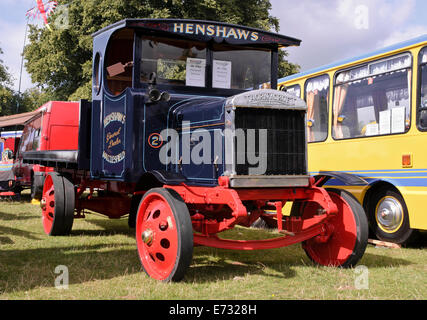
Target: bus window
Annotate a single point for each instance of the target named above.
(422, 107)
(373, 99)
(316, 96)
(295, 90)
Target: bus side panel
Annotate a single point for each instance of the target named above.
(355, 157)
(415, 199)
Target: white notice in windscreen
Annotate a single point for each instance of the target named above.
(398, 120)
(385, 117)
(221, 74)
(195, 73)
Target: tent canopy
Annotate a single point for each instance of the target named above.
(17, 119)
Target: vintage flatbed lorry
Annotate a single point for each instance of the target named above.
(180, 136)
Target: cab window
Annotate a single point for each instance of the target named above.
(30, 140)
(119, 61)
(240, 68)
(373, 99)
(316, 96)
(185, 63)
(174, 62)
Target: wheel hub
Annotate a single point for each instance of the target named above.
(147, 237)
(43, 203)
(389, 214)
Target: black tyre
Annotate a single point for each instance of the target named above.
(388, 217)
(57, 203)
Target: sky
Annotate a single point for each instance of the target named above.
(330, 30)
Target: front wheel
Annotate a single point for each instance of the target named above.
(348, 241)
(164, 235)
(389, 217)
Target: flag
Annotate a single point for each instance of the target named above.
(42, 10)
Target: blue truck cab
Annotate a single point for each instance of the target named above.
(155, 79)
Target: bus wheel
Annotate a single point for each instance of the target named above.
(389, 217)
(57, 205)
(347, 244)
(164, 235)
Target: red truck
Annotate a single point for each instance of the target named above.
(54, 127)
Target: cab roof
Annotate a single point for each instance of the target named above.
(205, 31)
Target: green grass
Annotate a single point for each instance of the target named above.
(103, 264)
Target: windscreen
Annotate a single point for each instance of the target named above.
(185, 63)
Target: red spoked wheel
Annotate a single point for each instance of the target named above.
(164, 235)
(347, 243)
(57, 203)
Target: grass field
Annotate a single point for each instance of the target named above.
(103, 263)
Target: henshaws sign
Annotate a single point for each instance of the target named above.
(203, 29)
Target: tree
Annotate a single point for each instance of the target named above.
(11, 100)
(6, 94)
(60, 61)
(5, 77)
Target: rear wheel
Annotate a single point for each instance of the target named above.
(164, 235)
(389, 217)
(348, 241)
(57, 203)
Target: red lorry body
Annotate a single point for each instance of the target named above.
(10, 144)
(55, 127)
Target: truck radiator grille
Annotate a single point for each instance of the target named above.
(286, 140)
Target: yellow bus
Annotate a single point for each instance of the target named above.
(367, 117)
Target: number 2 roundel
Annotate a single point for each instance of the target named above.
(155, 140)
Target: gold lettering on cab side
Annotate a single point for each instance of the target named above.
(221, 30)
(200, 29)
(215, 31)
(254, 36)
(178, 27)
(189, 29)
(210, 30)
(232, 33)
(243, 34)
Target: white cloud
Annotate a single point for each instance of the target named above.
(336, 29)
(405, 34)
